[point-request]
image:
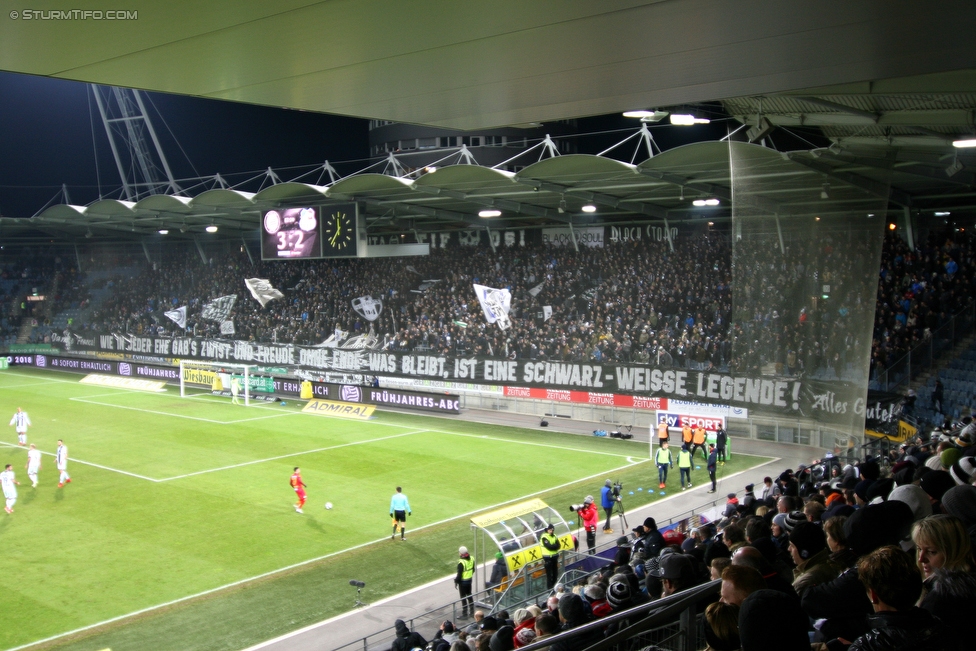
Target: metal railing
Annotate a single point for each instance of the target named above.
(923, 356)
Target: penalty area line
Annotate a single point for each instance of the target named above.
(291, 454)
(89, 463)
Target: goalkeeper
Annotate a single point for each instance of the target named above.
(399, 510)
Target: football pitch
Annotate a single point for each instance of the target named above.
(180, 520)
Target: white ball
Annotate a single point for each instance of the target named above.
(328, 505)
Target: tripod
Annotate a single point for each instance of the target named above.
(359, 585)
(618, 510)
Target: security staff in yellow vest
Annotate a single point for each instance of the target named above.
(550, 555)
(465, 573)
(684, 466)
(664, 460)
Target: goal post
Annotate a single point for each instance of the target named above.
(220, 376)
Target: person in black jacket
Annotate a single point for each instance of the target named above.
(894, 583)
(405, 638)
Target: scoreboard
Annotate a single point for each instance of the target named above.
(328, 231)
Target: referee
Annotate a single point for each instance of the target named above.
(399, 510)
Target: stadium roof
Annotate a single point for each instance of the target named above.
(890, 86)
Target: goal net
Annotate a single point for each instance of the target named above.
(238, 381)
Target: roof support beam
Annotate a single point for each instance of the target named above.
(881, 190)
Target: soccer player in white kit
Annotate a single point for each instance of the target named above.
(61, 457)
(33, 464)
(22, 421)
(9, 484)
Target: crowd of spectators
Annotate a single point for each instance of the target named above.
(635, 301)
(876, 555)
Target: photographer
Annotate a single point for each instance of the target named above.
(590, 516)
(609, 496)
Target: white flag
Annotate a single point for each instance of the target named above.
(495, 303)
(178, 316)
(546, 312)
(219, 308)
(261, 290)
(368, 307)
(227, 328)
(535, 291)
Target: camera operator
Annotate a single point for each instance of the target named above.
(590, 516)
(609, 496)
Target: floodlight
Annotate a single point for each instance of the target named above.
(685, 120)
(163, 231)
(964, 143)
(647, 116)
(942, 213)
(588, 208)
(490, 213)
(211, 229)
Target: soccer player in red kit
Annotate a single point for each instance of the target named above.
(299, 486)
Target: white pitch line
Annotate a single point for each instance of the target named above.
(17, 386)
(89, 463)
(292, 454)
(151, 411)
(540, 445)
(293, 566)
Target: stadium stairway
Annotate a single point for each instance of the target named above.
(348, 630)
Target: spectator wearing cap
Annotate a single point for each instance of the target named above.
(590, 517)
(842, 602)
(749, 499)
(963, 471)
(893, 584)
(780, 534)
(808, 548)
(767, 620)
(960, 501)
(769, 489)
(623, 554)
(794, 518)
(405, 638)
(596, 597)
(916, 499)
(935, 484)
(652, 541)
(572, 614)
(503, 639)
(677, 573)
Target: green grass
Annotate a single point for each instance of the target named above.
(173, 497)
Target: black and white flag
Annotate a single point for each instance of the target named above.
(178, 316)
(535, 291)
(368, 307)
(261, 290)
(496, 304)
(227, 327)
(219, 308)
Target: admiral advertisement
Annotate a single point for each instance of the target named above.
(827, 401)
(399, 398)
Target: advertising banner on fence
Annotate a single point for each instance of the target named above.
(822, 399)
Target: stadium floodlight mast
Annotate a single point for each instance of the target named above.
(204, 373)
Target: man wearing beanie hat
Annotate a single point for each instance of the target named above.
(619, 596)
(651, 541)
(963, 470)
(405, 638)
(590, 518)
(608, 499)
(935, 484)
(916, 499)
(463, 579)
(596, 596)
(794, 518)
(808, 548)
(767, 620)
(961, 502)
(948, 457)
(572, 613)
(503, 639)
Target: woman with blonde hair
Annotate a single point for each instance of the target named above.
(941, 541)
(722, 627)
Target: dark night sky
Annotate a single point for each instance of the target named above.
(47, 127)
(46, 140)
